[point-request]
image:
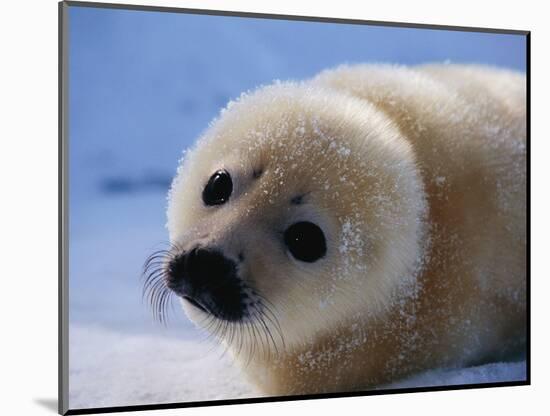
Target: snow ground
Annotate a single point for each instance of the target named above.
(109, 368)
(145, 369)
(142, 88)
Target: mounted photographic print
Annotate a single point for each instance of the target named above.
(262, 208)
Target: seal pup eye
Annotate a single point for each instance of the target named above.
(305, 241)
(218, 189)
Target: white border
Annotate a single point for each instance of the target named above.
(28, 219)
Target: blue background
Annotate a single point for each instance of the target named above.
(143, 85)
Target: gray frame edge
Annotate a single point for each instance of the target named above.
(274, 16)
(63, 207)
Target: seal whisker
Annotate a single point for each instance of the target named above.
(258, 333)
(270, 315)
(163, 303)
(253, 345)
(262, 331)
(154, 288)
(151, 280)
(268, 331)
(241, 337)
(157, 292)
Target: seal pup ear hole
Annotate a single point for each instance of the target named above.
(297, 200)
(218, 189)
(256, 173)
(305, 241)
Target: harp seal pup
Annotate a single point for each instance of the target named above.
(344, 232)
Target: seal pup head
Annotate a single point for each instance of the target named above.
(300, 209)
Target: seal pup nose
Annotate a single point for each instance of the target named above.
(199, 269)
(208, 280)
(205, 267)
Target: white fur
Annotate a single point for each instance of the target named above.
(416, 176)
